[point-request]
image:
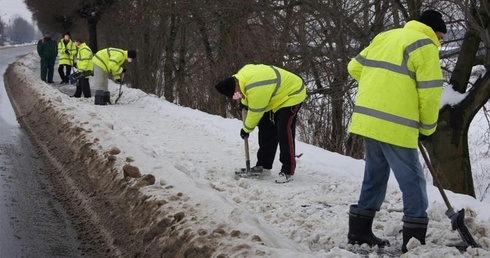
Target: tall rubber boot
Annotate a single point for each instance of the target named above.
(100, 97)
(414, 227)
(360, 228)
(107, 97)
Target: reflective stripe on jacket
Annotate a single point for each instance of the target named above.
(66, 59)
(84, 58)
(400, 86)
(111, 60)
(265, 88)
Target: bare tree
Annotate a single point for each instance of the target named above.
(21, 31)
(448, 147)
(2, 32)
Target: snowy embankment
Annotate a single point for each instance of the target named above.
(186, 201)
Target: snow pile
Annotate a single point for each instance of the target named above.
(192, 155)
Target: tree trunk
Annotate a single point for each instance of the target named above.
(92, 34)
(448, 147)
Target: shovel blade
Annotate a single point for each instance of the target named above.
(458, 223)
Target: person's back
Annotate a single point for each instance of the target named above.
(395, 65)
(400, 84)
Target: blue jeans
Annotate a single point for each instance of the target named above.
(404, 162)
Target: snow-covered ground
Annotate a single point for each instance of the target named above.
(197, 153)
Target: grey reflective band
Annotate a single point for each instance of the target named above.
(102, 61)
(298, 91)
(430, 84)
(257, 109)
(417, 44)
(278, 83)
(387, 117)
(80, 54)
(403, 68)
(382, 64)
(428, 127)
(260, 83)
(246, 127)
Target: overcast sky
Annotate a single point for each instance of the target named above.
(11, 8)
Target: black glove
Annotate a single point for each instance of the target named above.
(75, 64)
(423, 138)
(67, 52)
(243, 134)
(124, 70)
(119, 81)
(242, 106)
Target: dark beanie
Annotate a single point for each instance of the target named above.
(132, 54)
(226, 87)
(434, 20)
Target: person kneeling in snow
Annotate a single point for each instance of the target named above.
(400, 85)
(105, 61)
(273, 97)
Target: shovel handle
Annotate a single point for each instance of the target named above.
(245, 141)
(434, 177)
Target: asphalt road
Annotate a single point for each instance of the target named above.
(33, 222)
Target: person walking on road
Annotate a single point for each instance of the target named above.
(47, 50)
(109, 60)
(66, 50)
(85, 67)
(273, 97)
(400, 86)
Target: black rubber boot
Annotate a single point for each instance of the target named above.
(414, 227)
(108, 97)
(360, 228)
(100, 97)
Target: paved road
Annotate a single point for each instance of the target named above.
(32, 221)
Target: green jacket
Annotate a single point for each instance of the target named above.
(111, 60)
(46, 47)
(265, 88)
(400, 86)
(65, 58)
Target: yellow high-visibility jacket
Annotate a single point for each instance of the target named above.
(111, 60)
(400, 86)
(84, 58)
(265, 88)
(66, 59)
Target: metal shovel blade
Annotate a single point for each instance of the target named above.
(458, 223)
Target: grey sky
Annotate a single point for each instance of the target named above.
(10, 8)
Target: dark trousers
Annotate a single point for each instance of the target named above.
(278, 128)
(63, 75)
(83, 85)
(47, 68)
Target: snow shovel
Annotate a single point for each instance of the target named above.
(457, 218)
(247, 152)
(120, 89)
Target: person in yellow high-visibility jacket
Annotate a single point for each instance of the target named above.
(85, 67)
(273, 97)
(66, 50)
(400, 86)
(109, 61)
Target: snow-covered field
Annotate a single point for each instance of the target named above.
(197, 154)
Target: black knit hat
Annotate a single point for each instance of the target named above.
(434, 20)
(132, 54)
(226, 87)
